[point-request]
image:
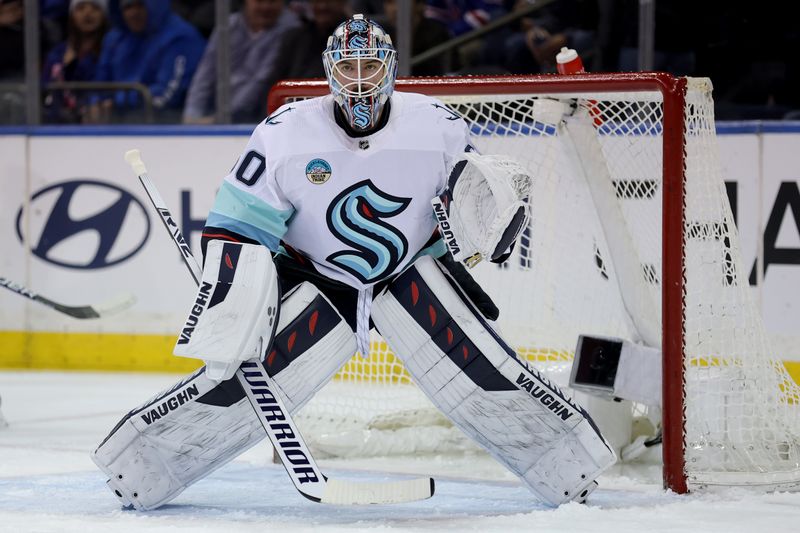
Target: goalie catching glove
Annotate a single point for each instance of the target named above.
(485, 208)
(234, 315)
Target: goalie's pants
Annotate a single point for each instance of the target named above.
(297, 269)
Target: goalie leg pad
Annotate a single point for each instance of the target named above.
(197, 426)
(181, 435)
(478, 382)
(313, 342)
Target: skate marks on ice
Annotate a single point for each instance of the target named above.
(244, 497)
(240, 490)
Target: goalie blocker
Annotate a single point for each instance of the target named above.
(477, 381)
(234, 315)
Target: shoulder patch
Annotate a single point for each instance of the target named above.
(318, 171)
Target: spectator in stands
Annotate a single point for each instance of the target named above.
(198, 13)
(151, 45)
(74, 60)
(426, 33)
(53, 15)
(301, 8)
(12, 56)
(12, 40)
(461, 16)
(302, 47)
(54, 9)
(371, 9)
(255, 37)
(570, 23)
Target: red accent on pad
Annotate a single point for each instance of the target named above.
(271, 358)
(449, 336)
(414, 293)
(312, 322)
(228, 261)
(465, 352)
(292, 338)
(432, 314)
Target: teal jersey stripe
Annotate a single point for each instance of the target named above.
(243, 228)
(248, 209)
(437, 249)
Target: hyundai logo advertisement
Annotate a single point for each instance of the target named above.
(84, 224)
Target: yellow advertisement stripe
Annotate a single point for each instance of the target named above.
(91, 351)
(153, 353)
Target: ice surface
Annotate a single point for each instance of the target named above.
(48, 483)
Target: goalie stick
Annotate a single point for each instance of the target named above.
(272, 413)
(110, 307)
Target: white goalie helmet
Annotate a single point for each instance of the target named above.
(361, 67)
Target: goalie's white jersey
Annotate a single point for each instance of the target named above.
(359, 208)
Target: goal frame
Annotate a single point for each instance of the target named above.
(673, 91)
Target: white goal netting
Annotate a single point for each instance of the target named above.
(591, 263)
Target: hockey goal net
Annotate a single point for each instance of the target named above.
(631, 236)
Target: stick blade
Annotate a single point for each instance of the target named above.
(111, 307)
(339, 492)
(115, 305)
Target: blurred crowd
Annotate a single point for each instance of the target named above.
(169, 48)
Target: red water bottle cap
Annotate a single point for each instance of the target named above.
(568, 61)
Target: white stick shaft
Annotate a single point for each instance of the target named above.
(281, 430)
(134, 159)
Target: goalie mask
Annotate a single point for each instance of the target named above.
(361, 66)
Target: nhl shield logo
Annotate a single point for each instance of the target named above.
(318, 171)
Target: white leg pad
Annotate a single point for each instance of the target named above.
(181, 435)
(477, 381)
(197, 426)
(312, 343)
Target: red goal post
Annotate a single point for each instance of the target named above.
(670, 93)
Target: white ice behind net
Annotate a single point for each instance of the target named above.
(577, 269)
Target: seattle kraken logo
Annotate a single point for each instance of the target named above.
(362, 114)
(355, 217)
(358, 25)
(357, 41)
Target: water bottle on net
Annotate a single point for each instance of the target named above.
(569, 62)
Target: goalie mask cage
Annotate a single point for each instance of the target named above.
(631, 236)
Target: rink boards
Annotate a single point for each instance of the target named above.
(76, 227)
